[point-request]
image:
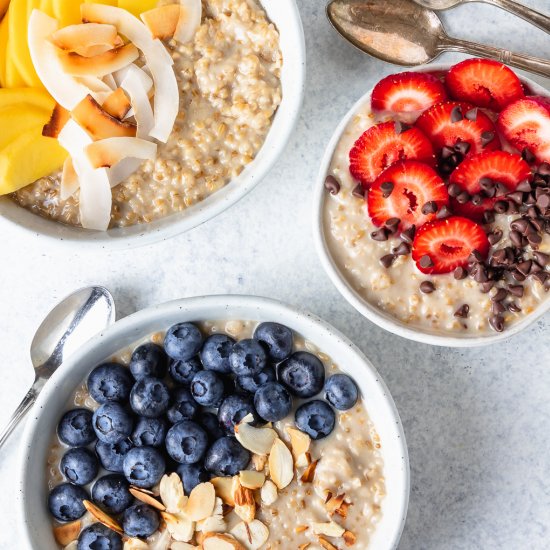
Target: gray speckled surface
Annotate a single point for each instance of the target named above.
(477, 421)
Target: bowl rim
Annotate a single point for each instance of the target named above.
(368, 310)
(137, 324)
(22, 221)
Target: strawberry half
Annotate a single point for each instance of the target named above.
(402, 190)
(443, 245)
(382, 145)
(458, 126)
(407, 92)
(526, 125)
(479, 175)
(485, 83)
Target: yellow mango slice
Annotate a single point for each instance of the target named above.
(4, 34)
(47, 7)
(19, 119)
(137, 7)
(67, 12)
(36, 97)
(28, 158)
(106, 2)
(4, 4)
(13, 76)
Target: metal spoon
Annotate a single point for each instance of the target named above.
(70, 324)
(404, 33)
(536, 18)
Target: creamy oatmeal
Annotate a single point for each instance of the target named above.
(333, 501)
(229, 85)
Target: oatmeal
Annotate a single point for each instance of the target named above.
(378, 265)
(229, 85)
(301, 491)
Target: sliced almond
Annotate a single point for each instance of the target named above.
(251, 479)
(67, 533)
(303, 461)
(162, 21)
(251, 535)
(102, 517)
(269, 493)
(281, 465)
(201, 502)
(245, 503)
(329, 528)
(224, 489)
(58, 119)
(326, 544)
(86, 40)
(299, 441)
(256, 440)
(219, 541)
(309, 473)
(259, 462)
(135, 544)
(147, 499)
(117, 104)
(304, 546)
(349, 538)
(180, 527)
(342, 511)
(171, 493)
(216, 522)
(334, 502)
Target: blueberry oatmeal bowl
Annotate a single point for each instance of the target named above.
(179, 431)
(433, 204)
(144, 119)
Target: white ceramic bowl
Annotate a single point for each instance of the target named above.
(368, 310)
(52, 401)
(285, 15)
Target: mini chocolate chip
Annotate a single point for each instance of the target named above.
(515, 237)
(429, 208)
(486, 183)
(544, 169)
(403, 249)
(490, 193)
(475, 256)
(519, 277)
(427, 287)
(520, 225)
(443, 212)
(513, 208)
(538, 224)
(380, 234)
(387, 260)
(530, 199)
(528, 156)
(516, 290)
(387, 189)
(501, 207)
(532, 212)
(407, 236)
(486, 286)
(332, 185)
(463, 197)
(486, 138)
(456, 114)
(497, 308)
(454, 190)
(541, 277)
(477, 199)
(539, 181)
(460, 273)
(534, 239)
(501, 189)
(497, 322)
(499, 295)
(499, 256)
(524, 186)
(488, 216)
(358, 191)
(472, 114)
(480, 275)
(447, 152)
(543, 201)
(513, 307)
(517, 197)
(495, 236)
(426, 262)
(542, 258)
(462, 147)
(463, 311)
(401, 127)
(392, 224)
(535, 268)
(524, 267)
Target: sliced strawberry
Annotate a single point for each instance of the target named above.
(452, 124)
(402, 190)
(489, 168)
(407, 92)
(382, 145)
(443, 245)
(485, 83)
(526, 125)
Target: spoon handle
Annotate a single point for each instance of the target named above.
(20, 412)
(536, 18)
(520, 61)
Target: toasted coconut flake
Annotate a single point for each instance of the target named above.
(326, 544)
(189, 20)
(299, 441)
(334, 502)
(147, 499)
(201, 502)
(309, 473)
(220, 541)
(224, 489)
(98, 123)
(59, 118)
(251, 535)
(117, 104)
(141, 106)
(349, 538)
(281, 465)
(87, 40)
(252, 480)
(171, 493)
(67, 533)
(157, 58)
(329, 528)
(269, 493)
(304, 546)
(256, 440)
(102, 517)
(96, 85)
(181, 528)
(108, 152)
(135, 544)
(301, 528)
(162, 21)
(69, 180)
(99, 65)
(109, 79)
(216, 522)
(245, 503)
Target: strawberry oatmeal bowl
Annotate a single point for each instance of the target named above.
(221, 422)
(433, 204)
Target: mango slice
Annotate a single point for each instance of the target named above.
(28, 158)
(19, 119)
(36, 97)
(4, 34)
(19, 49)
(4, 4)
(137, 7)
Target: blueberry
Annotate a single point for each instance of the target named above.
(148, 360)
(111, 455)
(182, 372)
(252, 382)
(226, 457)
(183, 341)
(149, 431)
(99, 537)
(233, 409)
(303, 374)
(144, 466)
(65, 502)
(341, 392)
(191, 475)
(186, 442)
(209, 421)
(183, 407)
(110, 382)
(207, 388)
(215, 353)
(247, 357)
(75, 428)
(140, 521)
(79, 465)
(150, 397)
(111, 493)
(272, 402)
(315, 418)
(112, 423)
(277, 339)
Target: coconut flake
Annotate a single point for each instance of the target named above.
(123, 170)
(105, 153)
(69, 180)
(189, 20)
(95, 200)
(141, 105)
(110, 81)
(87, 40)
(146, 80)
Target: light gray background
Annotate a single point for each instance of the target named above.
(477, 421)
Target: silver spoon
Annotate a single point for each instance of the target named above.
(70, 324)
(405, 33)
(536, 18)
